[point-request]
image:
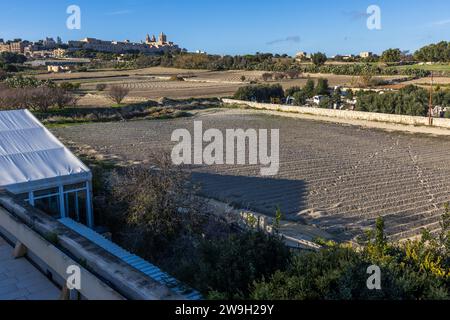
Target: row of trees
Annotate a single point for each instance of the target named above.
(260, 93)
(30, 93)
(8, 62)
(275, 93)
(411, 100)
(439, 52)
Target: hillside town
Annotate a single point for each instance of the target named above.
(50, 48)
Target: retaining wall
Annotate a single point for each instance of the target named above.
(345, 114)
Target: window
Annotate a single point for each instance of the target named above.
(68, 201)
(74, 187)
(23, 196)
(48, 201)
(76, 205)
(49, 204)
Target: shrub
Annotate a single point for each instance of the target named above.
(293, 74)
(260, 93)
(101, 87)
(415, 270)
(117, 93)
(410, 100)
(300, 98)
(63, 98)
(447, 114)
(266, 76)
(292, 90)
(36, 97)
(69, 86)
(27, 82)
(176, 78)
(226, 268)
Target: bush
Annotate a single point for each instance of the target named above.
(447, 114)
(226, 268)
(260, 93)
(154, 204)
(117, 93)
(69, 86)
(176, 78)
(292, 90)
(416, 270)
(27, 82)
(100, 87)
(266, 76)
(410, 100)
(34, 95)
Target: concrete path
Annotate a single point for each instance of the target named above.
(20, 280)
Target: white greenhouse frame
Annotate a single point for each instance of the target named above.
(33, 161)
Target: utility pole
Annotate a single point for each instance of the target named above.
(430, 109)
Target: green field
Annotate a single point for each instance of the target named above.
(435, 67)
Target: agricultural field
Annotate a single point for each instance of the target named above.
(155, 83)
(337, 177)
(438, 67)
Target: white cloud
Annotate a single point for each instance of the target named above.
(441, 22)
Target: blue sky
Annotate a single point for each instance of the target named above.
(237, 27)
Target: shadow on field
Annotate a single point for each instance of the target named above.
(262, 195)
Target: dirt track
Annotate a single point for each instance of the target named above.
(338, 177)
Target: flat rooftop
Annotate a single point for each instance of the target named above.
(20, 280)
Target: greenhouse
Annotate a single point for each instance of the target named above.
(37, 167)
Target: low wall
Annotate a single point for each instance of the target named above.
(103, 276)
(346, 114)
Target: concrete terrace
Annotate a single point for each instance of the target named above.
(20, 280)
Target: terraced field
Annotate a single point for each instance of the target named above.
(338, 177)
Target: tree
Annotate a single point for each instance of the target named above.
(260, 93)
(292, 90)
(118, 93)
(300, 98)
(308, 89)
(391, 55)
(319, 59)
(63, 98)
(439, 52)
(11, 57)
(322, 87)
